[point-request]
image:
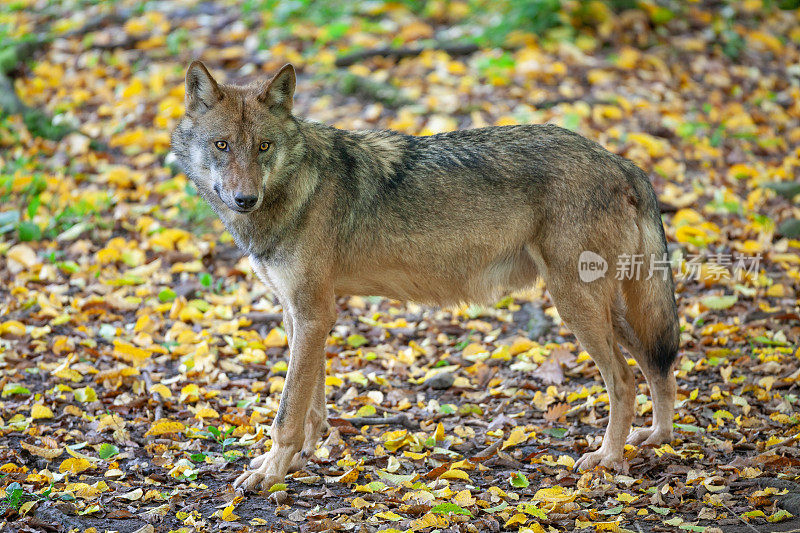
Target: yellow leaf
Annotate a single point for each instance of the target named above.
(133, 495)
(454, 473)
(464, 498)
(228, 514)
(474, 349)
(536, 527)
(113, 422)
(566, 460)
(85, 395)
(276, 339)
(190, 393)
(359, 503)
(765, 41)
(130, 353)
(666, 448)
(518, 518)
(557, 494)
(777, 291)
(394, 440)
(68, 373)
(429, 520)
(26, 507)
(628, 57)
(74, 465)
(206, 412)
(162, 390)
(414, 455)
(521, 344)
(21, 257)
(11, 468)
(135, 88)
(78, 455)
(439, 433)
(518, 435)
(13, 327)
(767, 382)
(86, 491)
(366, 410)
(506, 120)
(351, 476)
(334, 381)
(41, 411)
(655, 147)
(163, 426)
(276, 384)
(389, 515)
(41, 451)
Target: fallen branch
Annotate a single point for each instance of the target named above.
(401, 420)
(259, 316)
(148, 382)
(382, 92)
(487, 452)
(552, 102)
(399, 53)
(748, 524)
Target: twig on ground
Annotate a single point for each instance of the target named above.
(552, 102)
(148, 381)
(745, 522)
(487, 452)
(400, 419)
(385, 93)
(398, 53)
(258, 317)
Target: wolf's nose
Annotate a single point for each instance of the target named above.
(245, 202)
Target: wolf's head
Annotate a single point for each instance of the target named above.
(234, 140)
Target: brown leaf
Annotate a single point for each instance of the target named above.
(556, 412)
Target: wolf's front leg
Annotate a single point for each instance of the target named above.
(309, 330)
(316, 423)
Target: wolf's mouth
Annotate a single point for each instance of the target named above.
(232, 207)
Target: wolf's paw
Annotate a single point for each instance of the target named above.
(256, 463)
(258, 475)
(299, 460)
(314, 432)
(650, 436)
(251, 479)
(602, 458)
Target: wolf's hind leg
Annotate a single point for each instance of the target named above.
(660, 381)
(662, 388)
(586, 310)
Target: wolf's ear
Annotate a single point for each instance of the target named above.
(279, 92)
(202, 91)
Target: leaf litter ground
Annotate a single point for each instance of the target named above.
(142, 361)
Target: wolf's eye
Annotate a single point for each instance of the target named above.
(221, 145)
(264, 146)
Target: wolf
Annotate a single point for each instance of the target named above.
(464, 216)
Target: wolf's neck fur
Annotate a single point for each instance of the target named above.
(352, 166)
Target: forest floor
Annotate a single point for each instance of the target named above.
(141, 360)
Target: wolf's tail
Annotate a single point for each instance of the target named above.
(647, 319)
